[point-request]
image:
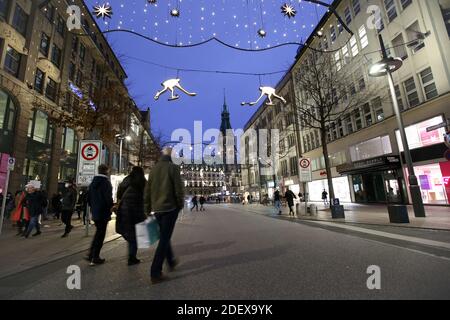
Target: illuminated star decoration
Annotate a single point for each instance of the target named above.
(262, 33)
(175, 13)
(288, 10)
(103, 11)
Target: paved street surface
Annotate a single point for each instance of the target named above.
(230, 252)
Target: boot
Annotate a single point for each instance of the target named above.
(133, 260)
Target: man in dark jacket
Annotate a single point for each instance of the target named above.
(164, 195)
(290, 196)
(277, 201)
(69, 200)
(56, 205)
(35, 203)
(100, 200)
(202, 202)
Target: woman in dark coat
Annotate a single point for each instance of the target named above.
(131, 210)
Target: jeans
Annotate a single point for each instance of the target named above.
(34, 223)
(132, 249)
(66, 218)
(194, 205)
(164, 251)
(99, 237)
(277, 206)
(291, 210)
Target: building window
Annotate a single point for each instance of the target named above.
(399, 98)
(38, 129)
(390, 9)
(356, 7)
(313, 141)
(411, 92)
(354, 46)
(7, 116)
(419, 137)
(49, 12)
(337, 59)
(12, 61)
(72, 71)
(51, 89)
(4, 4)
(20, 20)
(340, 28)
(74, 46)
(284, 168)
(333, 33)
(56, 55)
(362, 84)
(358, 119)
(367, 114)
(445, 10)
(349, 124)
(294, 166)
(363, 37)
(352, 89)
(45, 44)
(429, 87)
(348, 16)
(79, 78)
(291, 140)
(69, 141)
(282, 146)
(60, 25)
(399, 47)
(82, 52)
(412, 33)
(378, 109)
(39, 81)
(371, 148)
(405, 3)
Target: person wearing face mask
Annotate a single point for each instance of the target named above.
(69, 199)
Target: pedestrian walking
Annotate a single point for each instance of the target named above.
(325, 197)
(290, 196)
(248, 199)
(194, 203)
(35, 202)
(56, 205)
(68, 202)
(202, 202)
(277, 201)
(9, 205)
(100, 200)
(164, 195)
(21, 215)
(130, 210)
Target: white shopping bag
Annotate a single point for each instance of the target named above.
(142, 236)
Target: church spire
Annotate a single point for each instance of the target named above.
(224, 101)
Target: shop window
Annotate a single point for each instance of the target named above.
(356, 7)
(371, 148)
(56, 55)
(419, 137)
(12, 62)
(39, 80)
(432, 182)
(20, 20)
(4, 4)
(363, 36)
(391, 10)
(411, 92)
(429, 87)
(51, 89)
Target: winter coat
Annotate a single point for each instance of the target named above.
(100, 198)
(21, 212)
(56, 202)
(290, 196)
(202, 200)
(69, 199)
(130, 211)
(276, 196)
(35, 202)
(164, 191)
(324, 195)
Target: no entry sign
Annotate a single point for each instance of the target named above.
(89, 158)
(305, 163)
(305, 170)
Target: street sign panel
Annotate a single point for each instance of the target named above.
(305, 170)
(89, 158)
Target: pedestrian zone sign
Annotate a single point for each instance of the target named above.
(305, 170)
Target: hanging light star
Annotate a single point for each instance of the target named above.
(262, 33)
(175, 13)
(288, 10)
(103, 11)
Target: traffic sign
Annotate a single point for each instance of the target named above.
(305, 170)
(11, 163)
(89, 158)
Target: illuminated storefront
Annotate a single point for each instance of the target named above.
(340, 186)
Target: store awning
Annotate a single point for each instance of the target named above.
(370, 165)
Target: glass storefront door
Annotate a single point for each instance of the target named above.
(377, 187)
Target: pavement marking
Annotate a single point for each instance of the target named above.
(432, 243)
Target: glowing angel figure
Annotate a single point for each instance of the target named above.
(171, 85)
(266, 91)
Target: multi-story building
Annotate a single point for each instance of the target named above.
(47, 72)
(365, 152)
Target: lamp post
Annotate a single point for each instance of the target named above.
(121, 137)
(387, 66)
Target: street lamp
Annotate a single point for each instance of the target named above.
(385, 67)
(121, 137)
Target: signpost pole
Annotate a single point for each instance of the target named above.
(5, 194)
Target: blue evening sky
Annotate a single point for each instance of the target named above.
(233, 21)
